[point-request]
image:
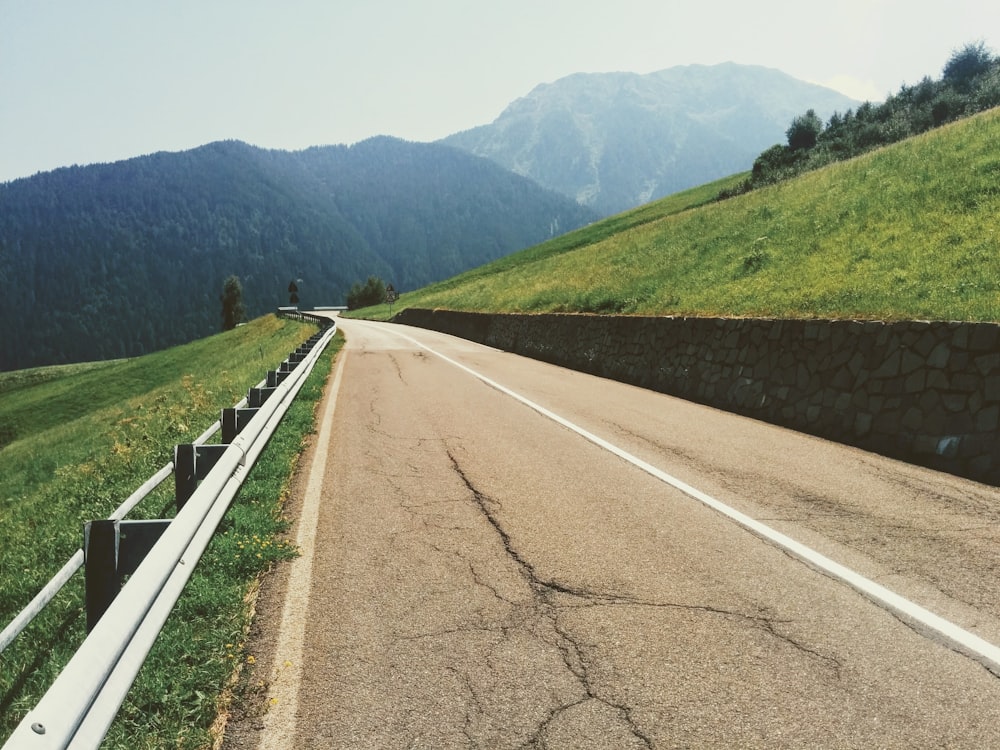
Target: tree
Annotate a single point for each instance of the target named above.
(804, 131)
(966, 64)
(372, 293)
(233, 310)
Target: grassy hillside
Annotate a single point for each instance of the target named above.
(906, 232)
(77, 441)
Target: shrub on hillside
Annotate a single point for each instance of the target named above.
(371, 293)
(970, 83)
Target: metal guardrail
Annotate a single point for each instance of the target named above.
(60, 579)
(81, 703)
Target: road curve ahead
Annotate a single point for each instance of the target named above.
(500, 553)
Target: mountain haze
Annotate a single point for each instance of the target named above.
(115, 260)
(613, 141)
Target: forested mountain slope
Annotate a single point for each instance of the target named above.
(120, 259)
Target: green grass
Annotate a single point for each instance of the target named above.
(906, 232)
(106, 428)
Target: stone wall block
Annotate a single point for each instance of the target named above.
(983, 337)
(842, 380)
(991, 387)
(890, 366)
(938, 357)
(987, 363)
(856, 363)
(915, 382)
(958, 362)
(954, 402)
(975, 401)
(911, 361)
(913, 419)
(988, 419)
(925, 343)
(938, 379)
(960, 423)
(930, 400)
(966, 382)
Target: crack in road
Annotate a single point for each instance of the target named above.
(399, 370)
(547, 591)
(572, 654)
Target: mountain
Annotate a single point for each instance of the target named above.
(613, 141)
(115, 260)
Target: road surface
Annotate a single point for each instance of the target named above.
(500, 553)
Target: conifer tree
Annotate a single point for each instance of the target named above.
(233, 310)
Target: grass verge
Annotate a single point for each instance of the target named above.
(181, 689)
(108, 427)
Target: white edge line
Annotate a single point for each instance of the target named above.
(286, 674)
(969, 643)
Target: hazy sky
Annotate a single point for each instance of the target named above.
(85, 81)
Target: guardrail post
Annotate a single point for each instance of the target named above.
(233, 422)
(100, 559)
(257, 396)
(192, 464)
(275, 378)
(111, 551)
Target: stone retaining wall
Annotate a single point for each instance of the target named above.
(924, 392)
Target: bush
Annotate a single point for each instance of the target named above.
(372, 293)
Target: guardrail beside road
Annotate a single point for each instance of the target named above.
(80, 705)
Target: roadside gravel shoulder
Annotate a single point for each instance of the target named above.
(241, 722)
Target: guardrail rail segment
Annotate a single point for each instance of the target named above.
(157, 557)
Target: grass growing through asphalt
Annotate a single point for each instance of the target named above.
(109, 427)
(909, 231)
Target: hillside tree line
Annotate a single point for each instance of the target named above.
(970, 83)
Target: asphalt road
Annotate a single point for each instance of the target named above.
(536, 562)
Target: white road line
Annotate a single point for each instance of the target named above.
(968, 643)
(283, 692)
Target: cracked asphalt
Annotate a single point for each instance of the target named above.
(485, 578)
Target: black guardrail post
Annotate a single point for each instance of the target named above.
(257, 396)
(274, 378)
(111, 551)
(100, 559)
(233, 422)
(192, 464)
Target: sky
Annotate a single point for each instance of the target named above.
(103, 80)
